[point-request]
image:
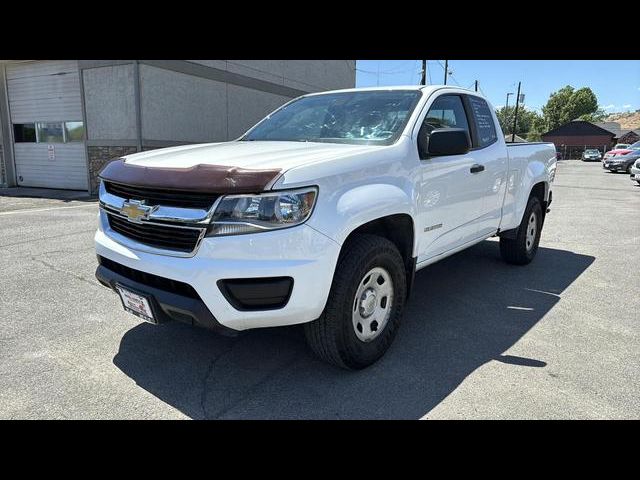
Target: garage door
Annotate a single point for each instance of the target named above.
(48, 133)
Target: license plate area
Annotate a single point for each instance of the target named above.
(136, 303)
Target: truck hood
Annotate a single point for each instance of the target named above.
(231, 167)
(246, 155)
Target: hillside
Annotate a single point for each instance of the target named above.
(626, 120)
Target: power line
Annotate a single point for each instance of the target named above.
(390, 71)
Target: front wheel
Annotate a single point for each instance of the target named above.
(522, 249)
(364, 307)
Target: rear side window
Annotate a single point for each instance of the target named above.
(485, 128)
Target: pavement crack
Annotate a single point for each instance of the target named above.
(209, 375)
(59, 270)
(32, 240)
(283, 368)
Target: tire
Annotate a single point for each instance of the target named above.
(522, 249)
(335, 337)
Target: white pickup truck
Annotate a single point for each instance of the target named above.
(320, 214)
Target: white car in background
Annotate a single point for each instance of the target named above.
(591, 154)
(635, 172)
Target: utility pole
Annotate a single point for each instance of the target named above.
(446, 70)
(423, 80)
(506, 112)
(515, 116)
(476, 85)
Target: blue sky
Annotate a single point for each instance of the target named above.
(616, 83)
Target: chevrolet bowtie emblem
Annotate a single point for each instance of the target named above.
(136, 210)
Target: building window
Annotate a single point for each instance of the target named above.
(49, 132)
(74, 131)
(24, 132)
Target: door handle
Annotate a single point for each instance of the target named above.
(477, 168)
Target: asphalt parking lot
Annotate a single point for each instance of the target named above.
(559, 338)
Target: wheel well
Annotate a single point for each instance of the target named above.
(539, 190)
(399, 230)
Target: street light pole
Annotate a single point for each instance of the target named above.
(446, 70)
(423, 80)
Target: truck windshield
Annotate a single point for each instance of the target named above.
(366, 117)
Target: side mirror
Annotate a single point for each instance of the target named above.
(445, 141)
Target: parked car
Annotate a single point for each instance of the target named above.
(591, 154)
(320, 214)
(625, 149)
(623, 163)
(635, 172)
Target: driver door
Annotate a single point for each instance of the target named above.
(450, 194)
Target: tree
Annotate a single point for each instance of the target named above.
(598, 116)
(568, 104)
(555, 112)
(583, 102)
(538, 127)
(526, 120)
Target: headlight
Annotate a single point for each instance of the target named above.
(238, 214)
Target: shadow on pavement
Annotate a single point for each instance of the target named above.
(464, 311)
(48, 193)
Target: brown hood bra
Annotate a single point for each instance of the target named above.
(199, 178)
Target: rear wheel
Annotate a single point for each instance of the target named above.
(364, 307)
(522, 249)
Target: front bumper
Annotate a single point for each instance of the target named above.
(614, 167)
(302, 253)
(166, 305)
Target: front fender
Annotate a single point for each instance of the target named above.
(348, 209)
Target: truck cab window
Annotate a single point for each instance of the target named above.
(485, 128)
(446, 112)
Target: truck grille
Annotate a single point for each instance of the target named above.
(181, 239)
(170, 198)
